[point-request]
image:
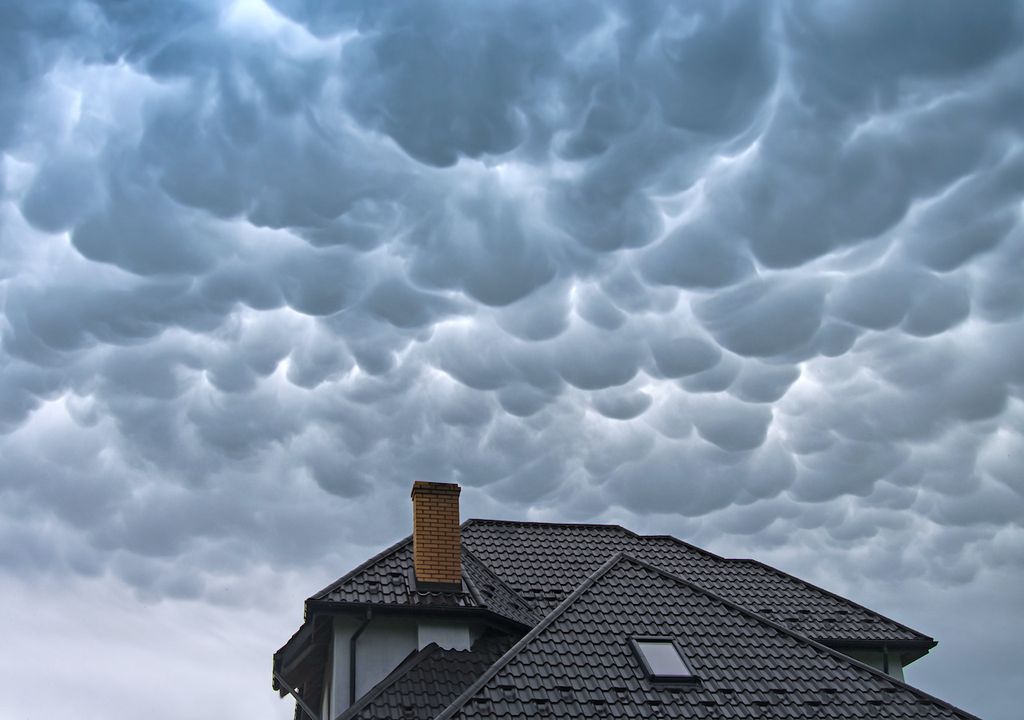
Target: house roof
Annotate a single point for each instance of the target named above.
(544, 562)
(518, 571)
(578, 661)
(387, 580)
(761, 641)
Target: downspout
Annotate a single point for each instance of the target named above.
(352, 657)
(885, 659)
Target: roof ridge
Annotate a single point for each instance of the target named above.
(793, 633)
(496, 521)
(507, 657)
(470, 584)
(494, 576)
(413, 659)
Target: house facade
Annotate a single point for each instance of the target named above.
(491, 619)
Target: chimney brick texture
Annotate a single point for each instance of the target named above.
(436, 540)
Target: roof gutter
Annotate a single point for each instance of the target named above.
(909, 650)
(352, 657)
(334, 607)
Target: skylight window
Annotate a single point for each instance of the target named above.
(662, 659)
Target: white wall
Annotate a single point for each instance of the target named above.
(447, 634)
(385, 643)
(875, 659)
(343, 628)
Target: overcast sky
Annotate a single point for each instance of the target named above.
(750, 274)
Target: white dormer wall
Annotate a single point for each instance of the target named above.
(876, 659)
(382, 646)
(449, 634)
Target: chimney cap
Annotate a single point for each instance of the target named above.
(435, 488)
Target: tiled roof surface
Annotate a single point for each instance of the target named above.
(494, 594)
(578, 662)
(522, 570)
(428, 681)
(385, 580)
(543, 563)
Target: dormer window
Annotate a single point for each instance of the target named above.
(663, 660)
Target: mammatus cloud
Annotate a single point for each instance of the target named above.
(745, 272)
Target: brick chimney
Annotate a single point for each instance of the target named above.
(436, 540)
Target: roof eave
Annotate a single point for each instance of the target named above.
(338, 607)
(909, 650)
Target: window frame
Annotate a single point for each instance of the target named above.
(674, 680)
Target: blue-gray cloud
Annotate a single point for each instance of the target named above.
(750, 272)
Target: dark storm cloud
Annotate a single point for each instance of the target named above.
(605, 173)
(750, 270)
(764, 318)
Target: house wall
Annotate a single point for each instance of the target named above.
(382, 646)
(451, 635)
(325, 700)
(876, 659)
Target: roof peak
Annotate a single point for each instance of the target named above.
(497, 521)
(595, 526)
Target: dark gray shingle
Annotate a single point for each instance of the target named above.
(578, 663)
(385, 580)
(544, 562)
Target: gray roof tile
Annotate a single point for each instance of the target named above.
(544, 562)
(494, 593)
(385, 580)
(578, 663)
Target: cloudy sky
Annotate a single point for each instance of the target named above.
(748, 273)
